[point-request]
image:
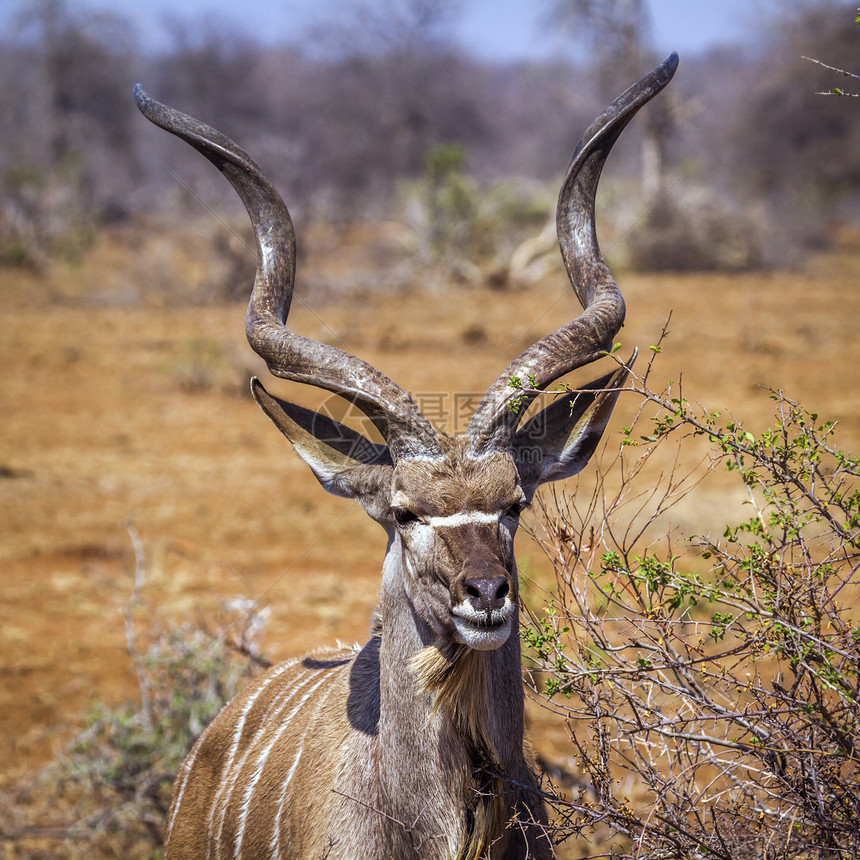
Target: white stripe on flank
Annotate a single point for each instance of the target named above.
(275, 843)
(240, 724)
(232, 769)
(260, 764)
(462, 519)
(187, 766)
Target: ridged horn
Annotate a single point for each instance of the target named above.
(590, 335)
(289, 355)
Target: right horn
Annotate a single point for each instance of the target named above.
(590, 335)
(289, 355)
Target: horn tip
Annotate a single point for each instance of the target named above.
(258, 391)
(660, 76)
(145, 103)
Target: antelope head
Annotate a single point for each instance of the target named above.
(450, 504)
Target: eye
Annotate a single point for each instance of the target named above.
(403, 516)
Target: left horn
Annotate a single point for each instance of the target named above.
(289, 355)
(590, 335)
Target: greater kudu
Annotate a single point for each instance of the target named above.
(412, 746)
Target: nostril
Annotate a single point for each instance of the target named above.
(486, 593)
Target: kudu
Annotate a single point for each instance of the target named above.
(412, 746)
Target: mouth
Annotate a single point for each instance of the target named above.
(482, 631)
(485, 623)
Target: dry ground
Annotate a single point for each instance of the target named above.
(114, 413)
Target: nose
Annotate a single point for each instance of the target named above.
(486, 592)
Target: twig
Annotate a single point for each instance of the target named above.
(836, 91)
(130, 638)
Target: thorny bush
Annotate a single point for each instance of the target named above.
(107, 795)
(710, 684)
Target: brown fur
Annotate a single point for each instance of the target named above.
(456, 679)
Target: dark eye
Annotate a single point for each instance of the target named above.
(403, 516)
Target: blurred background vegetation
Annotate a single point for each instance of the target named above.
(406, 163)
(379, 115)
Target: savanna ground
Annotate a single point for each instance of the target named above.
(120, 409)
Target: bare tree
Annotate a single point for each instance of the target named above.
(66, 139)
(787, 129)
(617, 35)
(384, 26)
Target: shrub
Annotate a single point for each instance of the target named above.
(697, 231)
(709, 684)
(108, 794)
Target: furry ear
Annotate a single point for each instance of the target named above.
(560, 439)
(340, 457)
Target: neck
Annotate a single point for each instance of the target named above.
(451, 723)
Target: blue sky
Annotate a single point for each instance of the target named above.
(493, 29)
(515, 26)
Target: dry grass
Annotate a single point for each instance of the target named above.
(113, 413)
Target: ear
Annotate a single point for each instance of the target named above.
(344, 462)
(558, 441)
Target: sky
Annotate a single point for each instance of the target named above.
(491, 29)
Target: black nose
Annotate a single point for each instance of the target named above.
(486, 592)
